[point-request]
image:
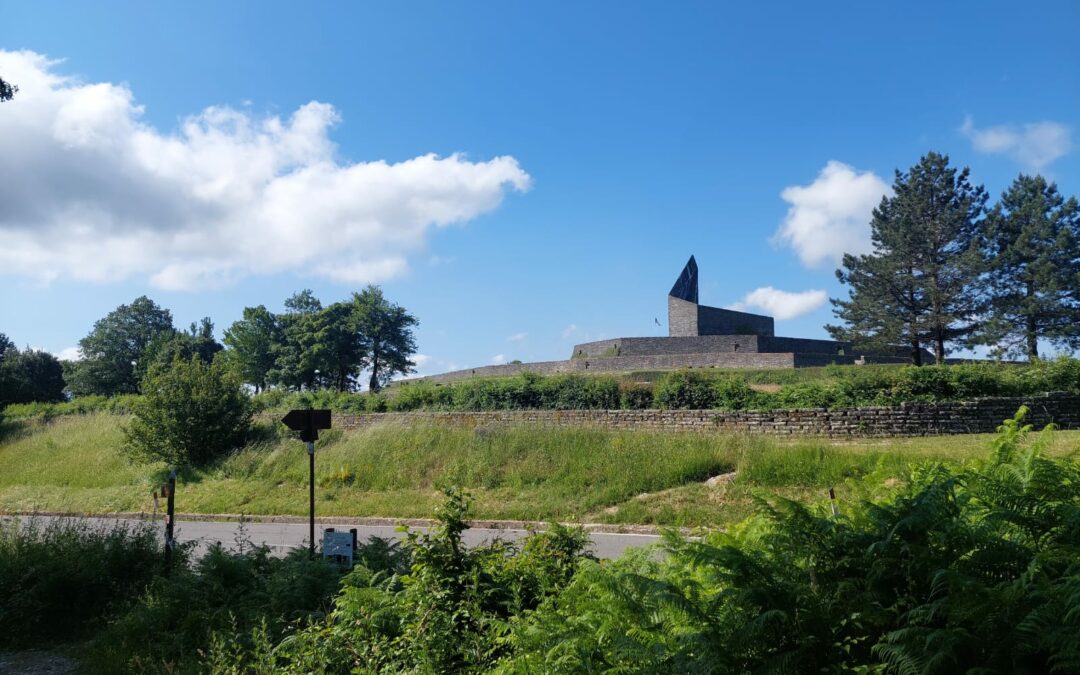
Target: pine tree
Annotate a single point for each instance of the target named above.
(920, 284)
(1032, 238)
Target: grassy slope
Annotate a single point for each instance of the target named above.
(73, 463)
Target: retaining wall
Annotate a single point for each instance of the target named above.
(909, 419)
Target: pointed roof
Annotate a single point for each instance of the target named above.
(685, 287)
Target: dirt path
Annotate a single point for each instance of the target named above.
(36, 663)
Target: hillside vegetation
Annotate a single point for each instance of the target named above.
(957, 568)
(829, 387)
(74, 463)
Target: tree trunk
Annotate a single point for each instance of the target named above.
(916, 351)
(1030, 329)
(1032, 339)
(939, 348)
(373, 384)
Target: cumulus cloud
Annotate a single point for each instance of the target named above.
(569, 330)
(93, 192)
(69, 354)
(781, 304)
(517, 337)
(498, 359)
(421, 360)
(1034, 145)
(831, 216)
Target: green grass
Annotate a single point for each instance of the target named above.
(74, 463)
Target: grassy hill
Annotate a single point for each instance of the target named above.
(74, 463)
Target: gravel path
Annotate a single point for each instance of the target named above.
(36, 663)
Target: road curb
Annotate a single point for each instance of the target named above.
(371, 521)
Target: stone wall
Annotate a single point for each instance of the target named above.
(716, 321)
(619, 364)
(804, 346)
(689, 319)
(663, 346)
(914, 419)
(682, 317)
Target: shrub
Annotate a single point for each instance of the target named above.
(923, 383)
(635, 396)
(685, 389)
(808, 395)
(421, 395)
(733, 394)
(223, 592)
(578, 392)
(190, 413)
(61, 579)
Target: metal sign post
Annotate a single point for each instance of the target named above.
(170, 501)
(308, 423)
(311, 496)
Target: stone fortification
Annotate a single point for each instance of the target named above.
(907, 419)
(687, 318)
(698, 337)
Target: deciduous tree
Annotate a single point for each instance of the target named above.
(115, 348)
(252, 342)
(190, 412)
(29, 376)
(387, 331)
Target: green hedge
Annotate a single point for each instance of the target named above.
(831, 387)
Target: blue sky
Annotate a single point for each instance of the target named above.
(521, 176)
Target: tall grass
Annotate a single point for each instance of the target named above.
(531, 473)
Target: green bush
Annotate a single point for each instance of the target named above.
(61, 579)
(577, 392)
(422, 395)
(121, 404)
(685, 389)
(449, 614)
(235, 592)
(923, 383)
(635, 396)
(189, 414)
(734, 395)
(807, 395)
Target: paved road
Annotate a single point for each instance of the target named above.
(280, 537)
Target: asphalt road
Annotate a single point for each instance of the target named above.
(280, 537)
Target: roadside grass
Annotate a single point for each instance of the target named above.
(530, 473)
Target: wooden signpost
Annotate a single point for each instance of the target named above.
(308, 423)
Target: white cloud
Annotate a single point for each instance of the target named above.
(831, 216)
(781, 304)
(569, 330)
(1034, 145)
(517, 337)
(93, 192)
(498, 359)
(420, 360)
(69, 354)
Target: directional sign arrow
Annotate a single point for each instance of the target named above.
(307, 422)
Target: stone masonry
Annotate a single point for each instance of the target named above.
(909, 419)
(699, 336)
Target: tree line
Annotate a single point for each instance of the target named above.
(306, 347)
(947, 271)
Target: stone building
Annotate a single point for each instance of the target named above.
(699, 336)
